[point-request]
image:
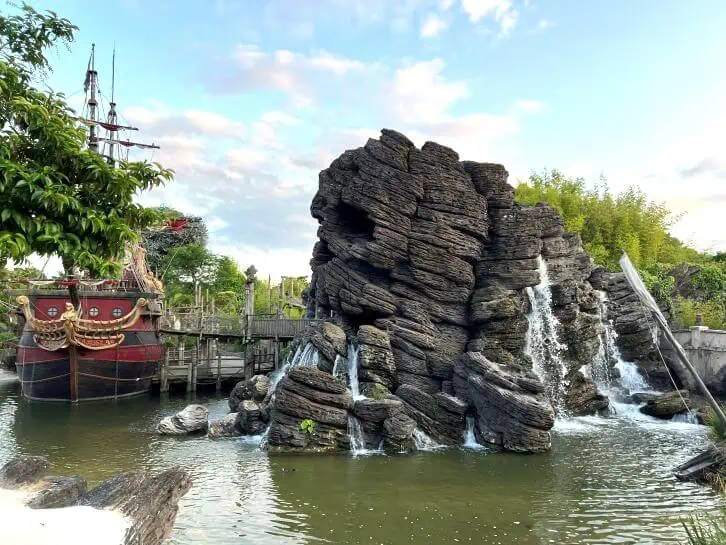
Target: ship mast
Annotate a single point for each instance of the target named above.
(91, 84)
(111, 124)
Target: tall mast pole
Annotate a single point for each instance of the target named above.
(112, 116)
(91, 85)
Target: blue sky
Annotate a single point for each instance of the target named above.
(250, 99)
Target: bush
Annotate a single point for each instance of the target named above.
(685, 311)
(308, 426)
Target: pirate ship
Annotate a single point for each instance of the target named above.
(104, 341)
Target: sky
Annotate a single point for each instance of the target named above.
(250, 99)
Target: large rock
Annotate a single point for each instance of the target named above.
(583, 397)
(666, 405)
(146, 503)
(423, 258)
(377, 410)
(511, 408)
(309, 412)
(398, 434)
(251, 418)
(192, 419)
(255, 389)
(224, 427)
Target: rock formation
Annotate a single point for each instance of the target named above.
(137, 507)
(192, 419)
(430, 270)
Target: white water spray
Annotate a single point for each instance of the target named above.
(542, 344)
(353, 371)
(423, 441)
(469, 436)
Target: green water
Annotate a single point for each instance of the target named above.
(606, 480)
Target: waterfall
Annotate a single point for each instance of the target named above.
(353, 371)
(357, 440)
(609, 354)
(469, 437)
(307, 356)
(542, 344)
(423, 441)
(337, 364)
(630, 377)
(685, 418)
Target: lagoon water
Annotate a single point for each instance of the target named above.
(606, 480)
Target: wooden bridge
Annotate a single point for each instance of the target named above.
(242, 328)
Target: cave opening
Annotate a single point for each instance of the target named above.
(355, 221)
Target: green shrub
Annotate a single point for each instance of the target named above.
(308, 426)
(685, 311)
(706, 529)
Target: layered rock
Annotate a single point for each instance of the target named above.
(424, 262)
(255, 389)
(140, 508)
(191, 419)
(310, 412)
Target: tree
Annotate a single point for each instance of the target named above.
(607, 224)
(57, 196)
(186, 269)
(12, 278)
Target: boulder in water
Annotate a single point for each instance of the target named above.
(583, 397)
(666, 405)
(398, 434)
(511, 408)
(224, 427)
(251, 418)
(192, 419)
(255, 389)
(309, 412)
(58, 492)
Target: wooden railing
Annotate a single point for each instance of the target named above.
(262, 326)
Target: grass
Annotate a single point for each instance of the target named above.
(707, 529)
(717, 430)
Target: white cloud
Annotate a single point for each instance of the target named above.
(420, 92)
(502, 11)
(530, 106)
(432, 26)
(446, 4)
(275, 262)
(160, 119)
(544, 24)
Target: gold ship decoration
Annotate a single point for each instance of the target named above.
(72, 330)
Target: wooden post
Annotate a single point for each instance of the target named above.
(219, 371)
(195, 364)
(164, 373)
(279, 302)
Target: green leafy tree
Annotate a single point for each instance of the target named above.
(607, 224)
(9, 279)
(57, 196)
(186, 269)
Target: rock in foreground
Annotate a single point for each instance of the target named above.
(135, 508)
(666, 405)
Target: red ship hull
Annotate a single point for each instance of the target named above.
(122, 371)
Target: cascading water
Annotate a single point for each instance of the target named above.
(423, 441)
(469, 437)
(357, 442)
(609, 356)
(542, 344)
(338, 365)
(307, 356)
(353, 371)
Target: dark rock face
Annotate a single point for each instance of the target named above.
(666, 405)
(224, 427)
(192, 419)
(251, 418)
(58, 492)
(148, 501)
(512, 410)
(583, 397)
(255, 389)
(308, 394)
(424, 262)
(23, 470)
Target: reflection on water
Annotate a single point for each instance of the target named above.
(606, 480)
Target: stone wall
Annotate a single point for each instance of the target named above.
(706, 350)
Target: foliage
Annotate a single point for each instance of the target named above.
(160, 243)
(685, 311)
(7, 281)
(608, 224)
(267, 296)
(716, 429)
(709, 529)
(308, 426)
(378, 391)
(660, 282)
(57, 196)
